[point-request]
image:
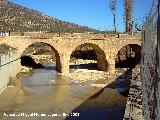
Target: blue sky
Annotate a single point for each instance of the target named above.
(93, 13)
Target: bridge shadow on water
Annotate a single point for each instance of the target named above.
(107, 104)
(29, 62)
(130, 63)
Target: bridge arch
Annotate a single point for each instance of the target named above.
(98, 55)
(53, 49)
(128, 55)
(123, 45)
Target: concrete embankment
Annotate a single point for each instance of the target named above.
(9, 65)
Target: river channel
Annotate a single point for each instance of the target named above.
(54, 97)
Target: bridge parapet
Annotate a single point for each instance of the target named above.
(39, 35)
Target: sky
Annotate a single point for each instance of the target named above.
(92, 13)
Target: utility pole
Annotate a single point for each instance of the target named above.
(128, 6)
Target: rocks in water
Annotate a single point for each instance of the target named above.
(80, 76)
(81, 61)
(25, 69)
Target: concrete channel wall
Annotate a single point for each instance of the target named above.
(9, 67)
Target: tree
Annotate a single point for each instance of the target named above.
(112, 6)
(128, 11)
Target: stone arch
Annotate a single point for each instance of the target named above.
(57, 55)
(102, 63)
(120, 47)
(129, 51)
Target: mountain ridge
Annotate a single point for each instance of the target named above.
(16, 18)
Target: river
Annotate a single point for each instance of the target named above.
(43, 91)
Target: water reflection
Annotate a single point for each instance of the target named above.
(40, 81)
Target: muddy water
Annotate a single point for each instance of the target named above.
(40, 81)
(46, 92)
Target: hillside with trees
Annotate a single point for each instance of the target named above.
(16, 18)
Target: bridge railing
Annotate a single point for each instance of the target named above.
(73, 35)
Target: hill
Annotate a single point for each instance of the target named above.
(17, 18)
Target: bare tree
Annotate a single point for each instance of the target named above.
(128, 10)
(112, 6)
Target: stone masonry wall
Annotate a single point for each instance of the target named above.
(134, 102)
(65, 45)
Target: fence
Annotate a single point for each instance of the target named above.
(149, 66)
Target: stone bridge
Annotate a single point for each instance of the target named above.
(106, 46)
